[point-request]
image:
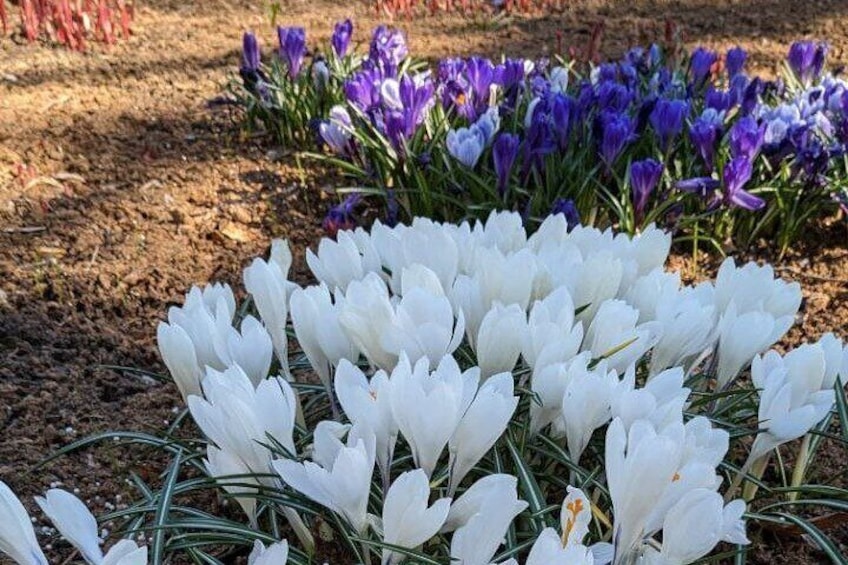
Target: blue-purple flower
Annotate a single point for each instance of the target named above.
(806, 59)
(292, 48)
(705, 133)
(341, 216)
(567, 208)
(735, 61)
(644, 177)
(746, 138)
(617, 130)
(341, 37)
(702, 186)
(250, 56)
(700, 64)
(562, 110)
(466, 145)
(667, 119)
(362, 89)
(388, 49)
(736, 175)
(504, 152)
(480, 74)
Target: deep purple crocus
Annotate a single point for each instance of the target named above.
(751, 95)
(567, 208)
(718, 100)
(562, 109)
(250, 56)
(504, 152)
(644, 177)
(736, 175)
(388, 49)
(363, 89)
(806, 59)
(617, 130)
(614, 96)
(746, 138)
(341, 216)
(667, 119)
(735, 61)
(704, 134)
(292, 48)
(341, 37)
(392, 208)
(700, 65)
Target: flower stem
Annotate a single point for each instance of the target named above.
(800, 466)
(757, 470)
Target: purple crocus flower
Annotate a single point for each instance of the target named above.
(388, 49)
(562, 109)
(340, 216)
(644, 176)
(718, 100)
(341, 37)
(538, 144)
(250, 56)
(700, 64)
(667, 120)
(704, 135)
(751, 95)
(735, 61)
(457, 97)
(504, 152)
(802, 59)
(746, 138)
(617, 130)
(450, 69)
(614, 96)
(510, 77)
(567, 208)
(362, 89)
(735, 175)
(292, 48)
(481, 74)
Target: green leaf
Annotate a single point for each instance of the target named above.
(529, 487)
(157, 544)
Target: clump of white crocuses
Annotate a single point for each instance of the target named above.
(471, 394)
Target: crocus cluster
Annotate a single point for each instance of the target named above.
(436, 343)
(535, 130)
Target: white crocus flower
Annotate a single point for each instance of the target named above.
(369, 403)
(267, 282)
(17, 537)
(594, 282)
(497, 277)
(575, 517)
(194, 335)
(793, 395)
(469, 504)
(502, 230)
(366, 316)
(646, 292)
(498, 343)
(559, 80)
(77, 525)
(639, 466)
(423, 324)
(428, 406)
(743, 336)
(480, 427)
(688, 319)
(274, 554)
(697, 523)
(552, 336)
(238, 418)
(407, 519)
(340, 262)
(476, 541)
(754, 288)
(660, 401)
(549, 384)
(251, 349)
(316, 324)
(586, 406)
(615, 336)
(340, 476)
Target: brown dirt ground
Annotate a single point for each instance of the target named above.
(120, 187)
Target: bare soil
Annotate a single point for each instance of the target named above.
(121, 186)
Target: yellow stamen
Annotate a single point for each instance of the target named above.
(574, 508)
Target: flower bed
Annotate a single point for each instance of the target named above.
(691, 143)
(471, 393)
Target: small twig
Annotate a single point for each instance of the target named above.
(25, 229)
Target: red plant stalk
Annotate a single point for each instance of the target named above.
(3, 16)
